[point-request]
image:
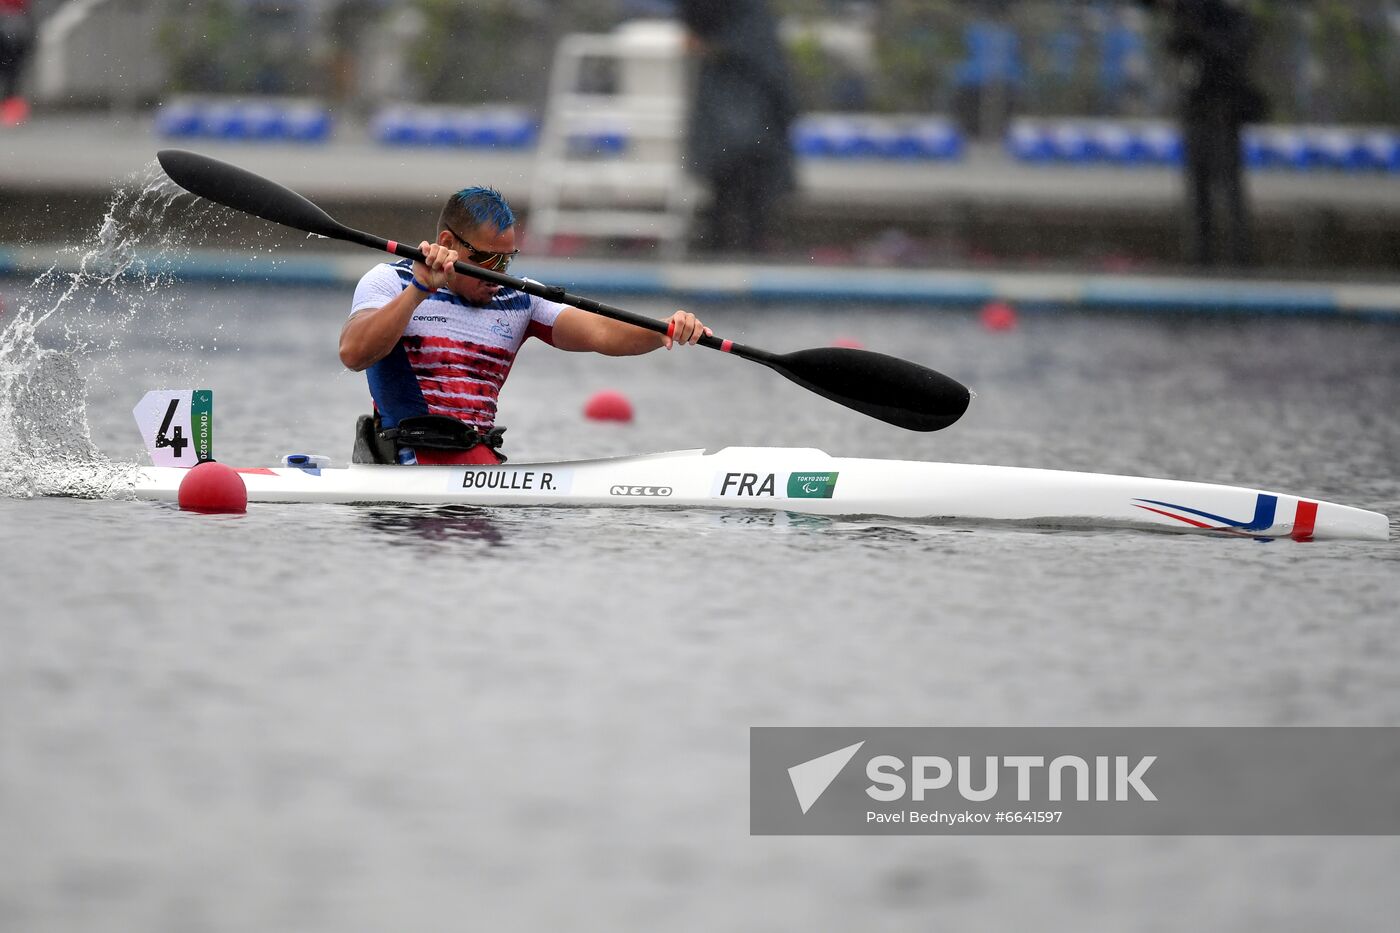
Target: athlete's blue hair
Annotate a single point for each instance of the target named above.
(476, 207)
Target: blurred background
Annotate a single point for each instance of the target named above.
(325, 718)
(921, 133)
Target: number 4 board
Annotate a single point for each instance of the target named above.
(177, 425)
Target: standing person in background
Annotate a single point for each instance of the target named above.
(743, 107)
(16, 38)
(1213, 41)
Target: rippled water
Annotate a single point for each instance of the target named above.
(336, 718)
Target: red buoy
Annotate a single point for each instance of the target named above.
(213, 487)
(608, 405)
(13, 111)
(998, 315)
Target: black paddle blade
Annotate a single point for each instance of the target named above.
(241, 190)
(895, 391)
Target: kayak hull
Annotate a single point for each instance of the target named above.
(813, 482)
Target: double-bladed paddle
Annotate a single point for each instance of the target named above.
(885, 387)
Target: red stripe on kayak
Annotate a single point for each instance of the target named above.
(1304, 521)
(392, 247)
(726, 346)
(257, 471)
(1180, 518)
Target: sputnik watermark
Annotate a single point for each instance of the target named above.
(1114, 780)
(1190, 781)
(811, 778)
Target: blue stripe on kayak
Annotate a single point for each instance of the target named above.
(1265, 508)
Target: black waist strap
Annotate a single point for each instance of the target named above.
(440, 432)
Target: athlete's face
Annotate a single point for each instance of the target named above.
(484, 239)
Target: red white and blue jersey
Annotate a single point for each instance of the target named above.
(453, 357)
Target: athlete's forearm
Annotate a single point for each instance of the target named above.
(370, 334)
(628, 340)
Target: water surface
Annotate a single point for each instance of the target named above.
(339, 718)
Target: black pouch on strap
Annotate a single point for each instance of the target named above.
(439, 432)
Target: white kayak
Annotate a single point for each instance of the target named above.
(810, 481)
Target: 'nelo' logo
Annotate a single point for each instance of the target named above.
(640, 491)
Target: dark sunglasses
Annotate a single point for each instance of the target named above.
(498, 262)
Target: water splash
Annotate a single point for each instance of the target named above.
(76, 314)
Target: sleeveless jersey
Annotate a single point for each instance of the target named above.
(453, 357)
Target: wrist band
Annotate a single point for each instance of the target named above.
(421, 287)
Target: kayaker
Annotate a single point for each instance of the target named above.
(436, 346)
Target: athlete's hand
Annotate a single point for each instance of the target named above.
(685, 328)
(434, 273)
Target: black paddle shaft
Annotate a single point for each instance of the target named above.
(893, 390)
